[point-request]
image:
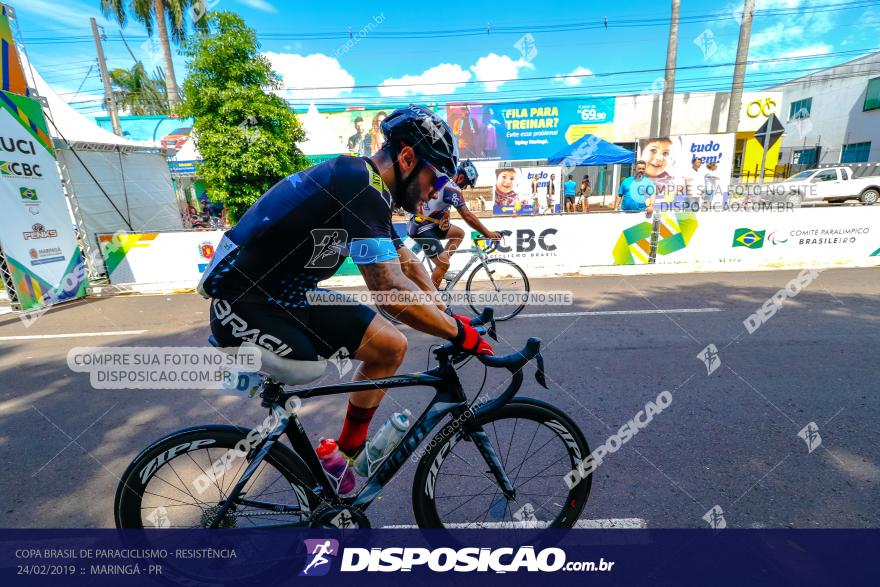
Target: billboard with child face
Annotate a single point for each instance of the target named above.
(527, 190)
(689, 167)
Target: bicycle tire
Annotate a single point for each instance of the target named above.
(128, 503)
(498, 317)
(430, 467)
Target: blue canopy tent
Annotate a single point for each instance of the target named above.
(591, 150)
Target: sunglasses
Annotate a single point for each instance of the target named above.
(440, 178)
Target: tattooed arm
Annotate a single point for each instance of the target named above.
(386, 277)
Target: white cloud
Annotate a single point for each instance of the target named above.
(72, 15)
(812, 50)
(261, 5)
(498, 67)
(310, 71)
(439, 74)
(574, 81)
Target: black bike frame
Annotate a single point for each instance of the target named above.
(449, 399)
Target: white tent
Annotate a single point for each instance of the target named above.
(114, 183)
(68, 125)
(188, 152)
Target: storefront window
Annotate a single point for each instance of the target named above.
(856, 153)
(800, 109)
(872, 96)
(804, 157)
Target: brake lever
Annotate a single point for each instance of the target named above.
(491, 331)
(539, 374)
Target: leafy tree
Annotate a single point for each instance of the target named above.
(138, 92)
(246, 134)
(156, 16)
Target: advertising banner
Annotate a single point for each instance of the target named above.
(158, 257)
(527, 130)
(546, 246)
(797, 237)
(527, 190)
(689, 168)
(355, 131)
(36, 231)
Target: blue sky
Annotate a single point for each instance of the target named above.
(790, 37)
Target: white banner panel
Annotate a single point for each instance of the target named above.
(36, 229)
(788, 238)
(174, 258)
(579, 244)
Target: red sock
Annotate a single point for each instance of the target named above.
(354, 430)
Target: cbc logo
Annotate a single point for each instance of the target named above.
(527, 241)
(20, 169)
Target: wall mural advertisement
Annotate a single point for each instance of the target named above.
(527, 190)
(39, 243)
(526, 130)
(689, 168)
(355, 132)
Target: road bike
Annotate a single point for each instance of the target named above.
(498, 462)
(497, 278)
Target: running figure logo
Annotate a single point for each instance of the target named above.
(710, 358)
(328, 245)
(319, 550)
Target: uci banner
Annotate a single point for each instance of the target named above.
(37, 237)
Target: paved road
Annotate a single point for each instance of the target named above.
(728, 439)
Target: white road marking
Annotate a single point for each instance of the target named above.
(73, 335)
(617, 312)
(582, 524)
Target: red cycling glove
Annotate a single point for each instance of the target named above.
(469, 339)
(462, 319)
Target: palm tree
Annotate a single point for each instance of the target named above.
(138, 92)
(153, 14)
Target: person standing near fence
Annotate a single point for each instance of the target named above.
(584, 193)
(569, 190)
(551, 191)
(536, 206)
(636, 192)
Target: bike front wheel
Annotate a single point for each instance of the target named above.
(538, 445)
(500, 284)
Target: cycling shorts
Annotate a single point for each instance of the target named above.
(302, 333)
(431, 242)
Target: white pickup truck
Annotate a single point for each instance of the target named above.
(831, 184)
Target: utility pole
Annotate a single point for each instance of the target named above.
(669, 85)
(105, 77)
(739, 68)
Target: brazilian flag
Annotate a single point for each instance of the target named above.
(746, 237)
(28, 194)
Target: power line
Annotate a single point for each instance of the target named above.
(581, 76)
(687, 85)
(533, 28)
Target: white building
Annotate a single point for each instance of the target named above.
(833, 116)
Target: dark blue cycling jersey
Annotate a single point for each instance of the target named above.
(300, 231)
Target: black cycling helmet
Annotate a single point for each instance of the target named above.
(424, 131)
(469, 171)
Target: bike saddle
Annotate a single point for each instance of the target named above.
(285, 371)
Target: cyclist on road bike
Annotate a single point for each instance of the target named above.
(299, 233)
(430, 225)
